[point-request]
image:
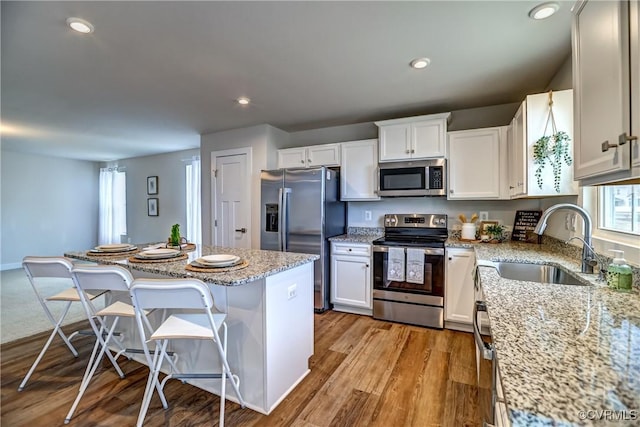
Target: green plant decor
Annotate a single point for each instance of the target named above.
(553, 149)
(175, 235)
(495, 230)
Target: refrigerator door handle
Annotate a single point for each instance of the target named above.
(280, 216)
(284, 217)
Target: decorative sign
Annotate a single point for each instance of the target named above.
(523, 226)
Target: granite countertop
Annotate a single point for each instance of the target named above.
(261, 264)
(561, 349)
(355, 238)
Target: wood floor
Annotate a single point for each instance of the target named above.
(364, 373)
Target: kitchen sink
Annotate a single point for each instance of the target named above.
(536, 273)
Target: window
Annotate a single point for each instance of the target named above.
(620, 208)
(112, 205)
(194, 228)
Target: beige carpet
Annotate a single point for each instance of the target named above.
(21, 314)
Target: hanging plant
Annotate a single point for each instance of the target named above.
(552, 149)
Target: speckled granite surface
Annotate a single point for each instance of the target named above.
(355, 238)
(261, 264)
(561, 349)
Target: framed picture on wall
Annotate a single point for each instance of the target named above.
(152, 207)
(152, 185)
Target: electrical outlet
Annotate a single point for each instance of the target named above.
(292, 291)
(367, 215)
(573, 221)
(484, 216)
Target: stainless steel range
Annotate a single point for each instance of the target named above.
(408, 270)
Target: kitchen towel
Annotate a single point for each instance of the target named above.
(415, 266)
(395, 266)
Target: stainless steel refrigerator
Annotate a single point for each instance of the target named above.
(301, 209)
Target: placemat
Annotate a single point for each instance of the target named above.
(113, 254)
(243, 264)
(152, 261)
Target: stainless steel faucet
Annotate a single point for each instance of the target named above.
(597, 260)
(587, 261)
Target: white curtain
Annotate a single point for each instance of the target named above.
(194, 225)
(112, 206)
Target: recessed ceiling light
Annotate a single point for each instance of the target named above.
(243, 100)
(80, 25)
(420, 63)
(544, 10)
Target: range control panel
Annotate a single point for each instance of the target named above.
(415, 220)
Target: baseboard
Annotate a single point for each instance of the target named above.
(10, 266)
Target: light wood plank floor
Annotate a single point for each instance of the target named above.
(364, 373)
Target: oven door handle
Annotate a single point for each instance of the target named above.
(427, 251)
(485, 348)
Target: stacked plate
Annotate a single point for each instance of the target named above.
(115, 247)
(218, 261)
(158, 254)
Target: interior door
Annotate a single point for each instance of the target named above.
(232, 215)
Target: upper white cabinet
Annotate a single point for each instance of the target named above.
(607, 87)
(413, 138)
(478, 164)
(358, 171)
(459, 295)
(532, 122)
(307, 157)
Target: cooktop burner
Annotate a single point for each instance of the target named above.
(415, 230)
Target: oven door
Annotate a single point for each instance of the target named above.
(432, 284)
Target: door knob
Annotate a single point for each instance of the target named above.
(242, 230)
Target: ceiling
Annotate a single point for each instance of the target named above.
(154, 76)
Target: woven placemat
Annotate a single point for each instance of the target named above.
(112, 254)
(196, 269)
(153, 261)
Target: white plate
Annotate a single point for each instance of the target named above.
(158, 253)
(218, 260)
(218, 265)
(115, 247)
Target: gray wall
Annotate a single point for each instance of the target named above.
(264, 140)
(563, 79)
(170, 170)
(49, 206)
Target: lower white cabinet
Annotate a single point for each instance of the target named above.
(351, 277)
(459, 295)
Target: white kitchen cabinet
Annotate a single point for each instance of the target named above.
(413, 138)
(358, 170)
(459, 296)
(478, 164)
(307, 157)
(607, 87)
(530, 123)
(517, 154)
(351, 271)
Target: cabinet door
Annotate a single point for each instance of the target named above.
(358, 173)
(634, 29)
(428, 139)
(459, 292)
(292, 158)
(474, 164)
(601, 87)
(351, 281)
(394, 142)
(323, 155)
(518, 154)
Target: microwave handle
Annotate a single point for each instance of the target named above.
(377, 180)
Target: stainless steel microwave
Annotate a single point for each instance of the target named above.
(407, 179)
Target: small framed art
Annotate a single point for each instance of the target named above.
(152, 185)
(152, 207)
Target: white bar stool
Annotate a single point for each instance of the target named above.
(200, 323)
(37, 268)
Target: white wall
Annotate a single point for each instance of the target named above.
(49, 205)
(170, 170)
(264, 140)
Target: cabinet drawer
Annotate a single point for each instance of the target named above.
(351, 249)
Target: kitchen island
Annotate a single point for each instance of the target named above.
(566, 353)
(269, 306)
